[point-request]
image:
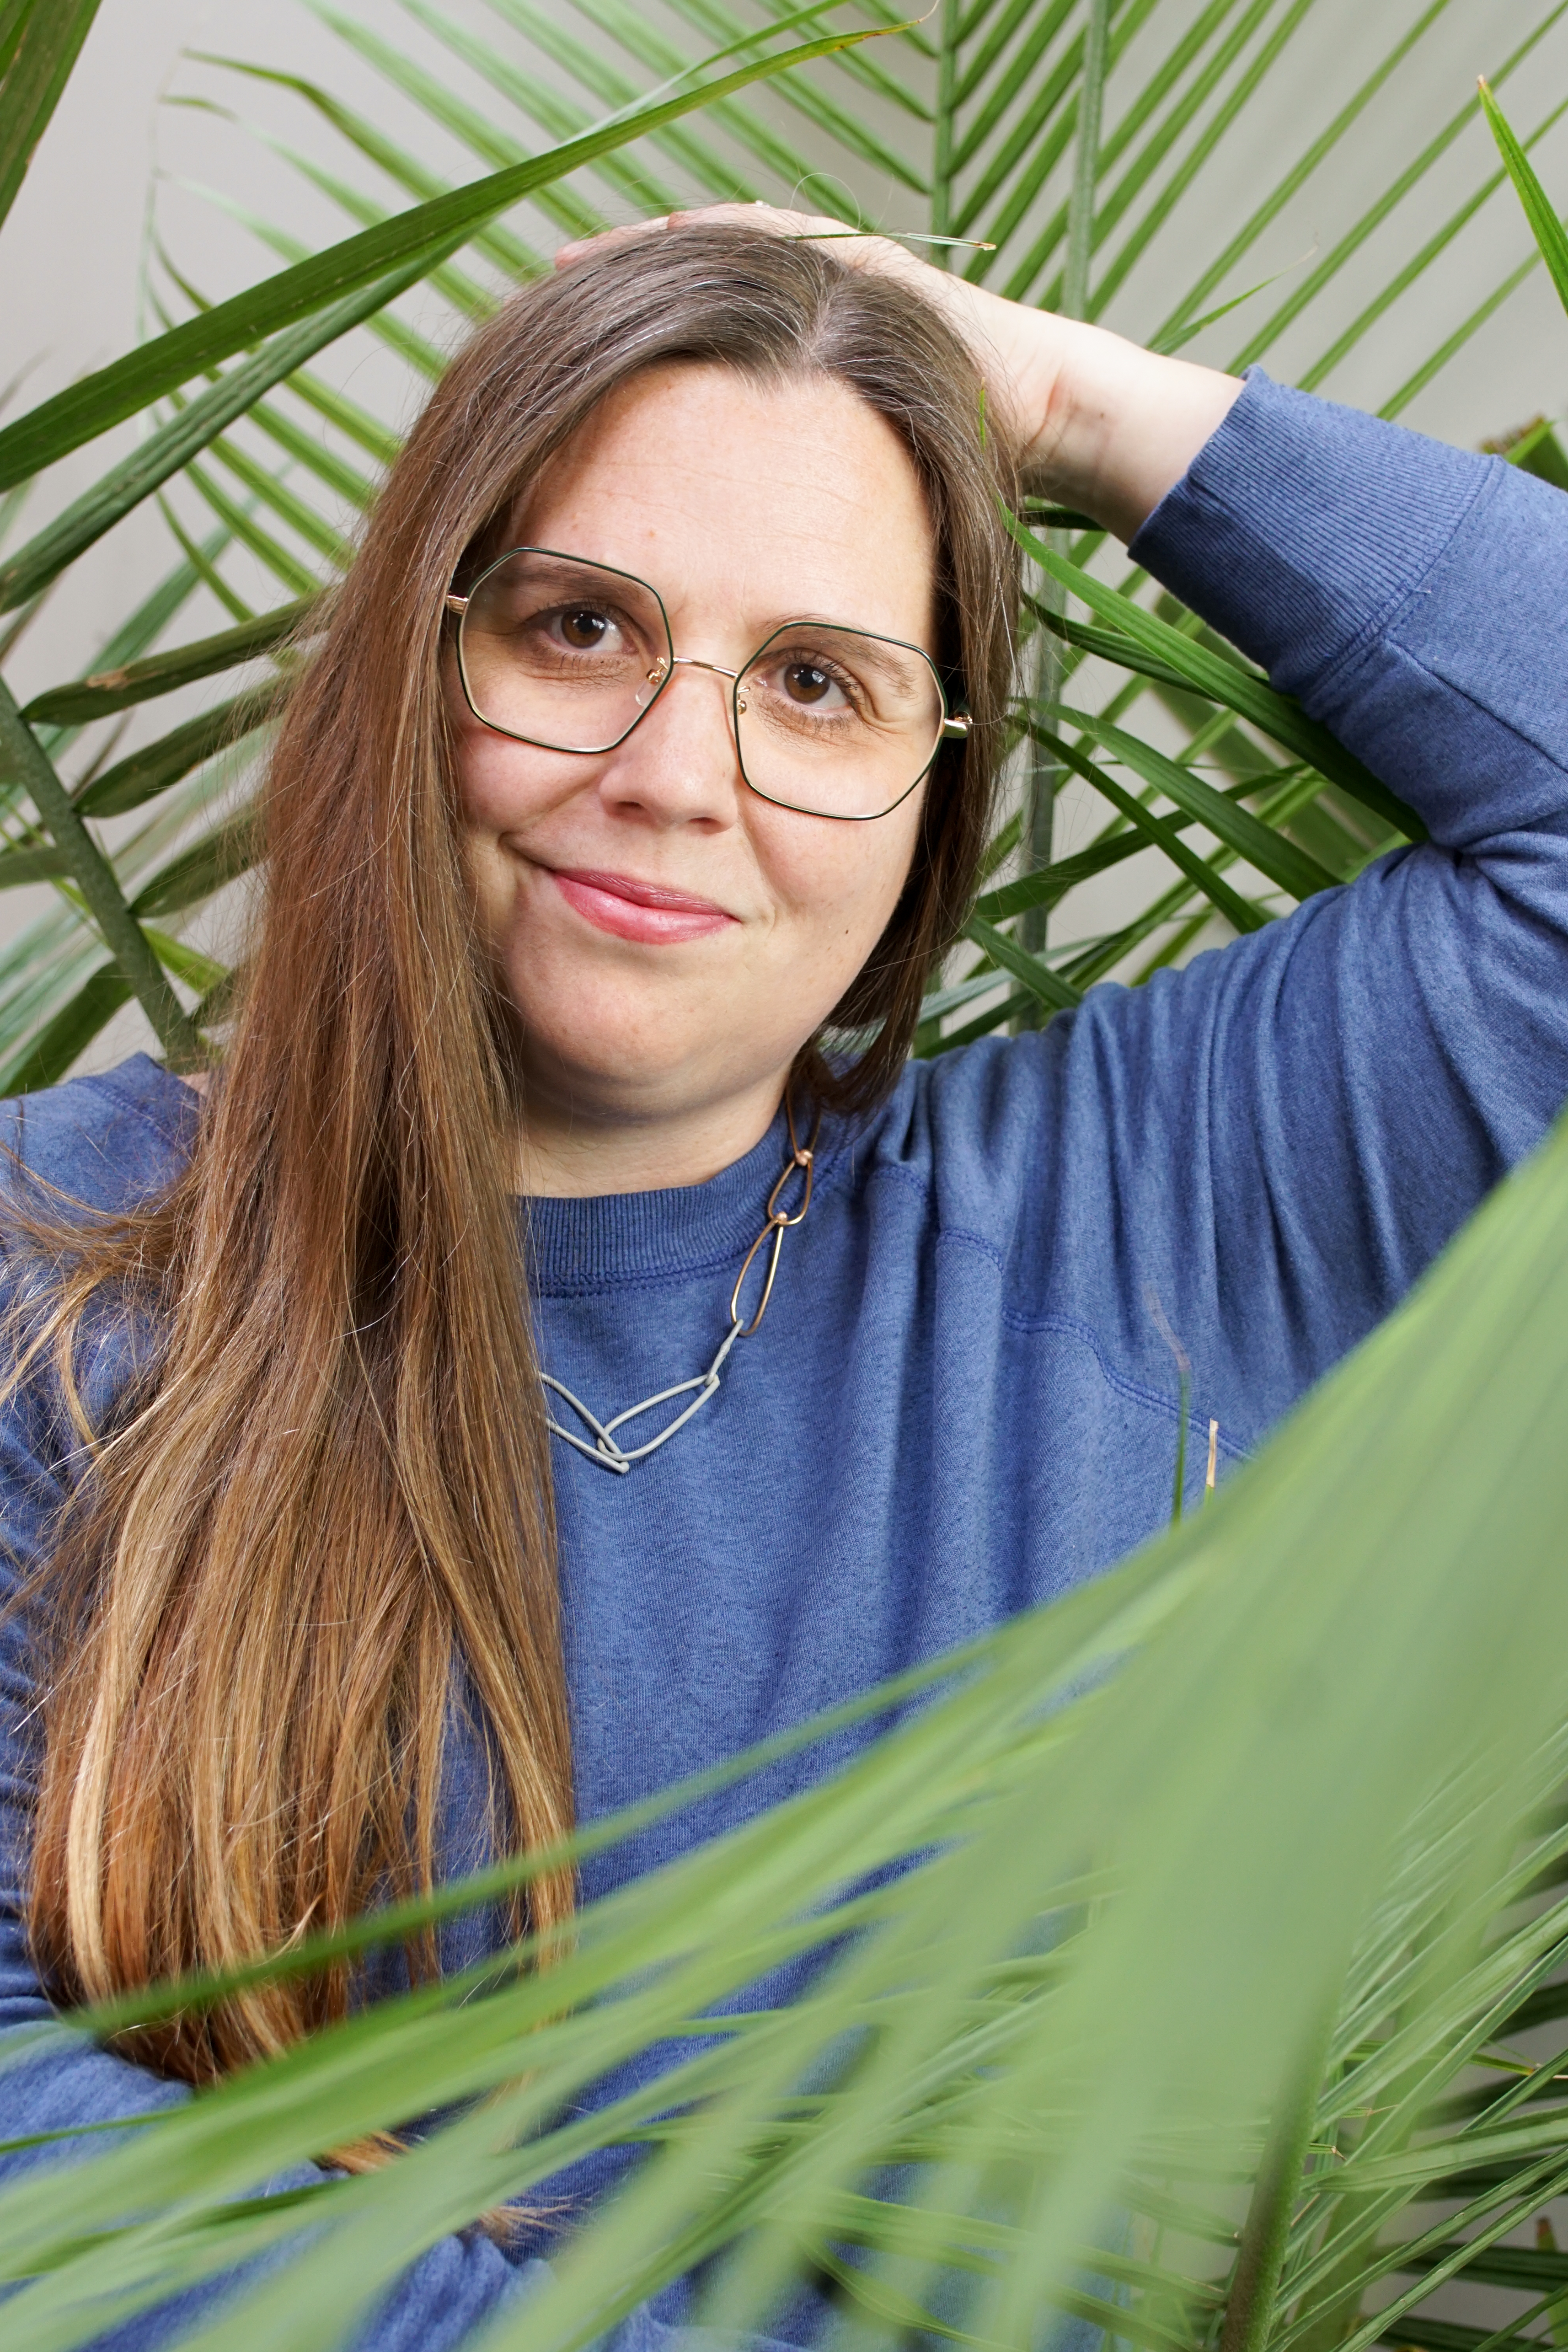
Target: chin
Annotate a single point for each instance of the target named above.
(608, 1069)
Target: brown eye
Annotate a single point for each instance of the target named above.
(804, 682)
(584, 629)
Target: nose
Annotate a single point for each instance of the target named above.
(679, 765)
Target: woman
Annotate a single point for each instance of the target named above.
(650, 747)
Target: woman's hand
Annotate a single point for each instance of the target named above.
(1106, 429)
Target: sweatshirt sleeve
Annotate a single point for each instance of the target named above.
(1297, 1124)
(442, 2296)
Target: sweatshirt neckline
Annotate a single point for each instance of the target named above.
(576, 1246)
(583, 1244)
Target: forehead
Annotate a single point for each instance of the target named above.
(744, 504)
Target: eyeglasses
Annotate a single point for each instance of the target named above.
(571, 656)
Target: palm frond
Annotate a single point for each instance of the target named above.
(1015, 1893)
(39, 43)
(1012, 1897)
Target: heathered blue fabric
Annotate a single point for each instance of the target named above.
(961, 1402)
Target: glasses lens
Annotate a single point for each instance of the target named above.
(561, 652)
(836, 722)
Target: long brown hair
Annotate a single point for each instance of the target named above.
(322, 1512)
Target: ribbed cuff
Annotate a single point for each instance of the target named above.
(1301, 527)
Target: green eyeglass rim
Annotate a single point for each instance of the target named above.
(951, 722)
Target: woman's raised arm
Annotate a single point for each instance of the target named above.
(1104, 426)
(1290, 1130)
(1287, 1133)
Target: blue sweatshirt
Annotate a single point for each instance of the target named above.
(962, 1401)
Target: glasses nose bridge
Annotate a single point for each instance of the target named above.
(663, 671)
(694, 661)
(663, 675)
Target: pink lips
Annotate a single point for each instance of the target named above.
(638, 910)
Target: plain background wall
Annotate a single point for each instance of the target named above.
(136, 136)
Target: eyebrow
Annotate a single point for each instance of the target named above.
(559, 568)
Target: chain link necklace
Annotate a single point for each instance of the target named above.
(605, 1448)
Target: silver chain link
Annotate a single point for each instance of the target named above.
(605, 1447)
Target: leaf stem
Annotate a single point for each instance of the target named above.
(1184, 1409)
(946, 95)
(24, 761)
(1043, 770)
(1085, 163)
(1265, 2233)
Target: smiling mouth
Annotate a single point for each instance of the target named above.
(629, 910)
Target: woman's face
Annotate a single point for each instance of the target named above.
(669, 939)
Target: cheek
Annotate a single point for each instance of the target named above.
(842, 881)
(502, 784)
(498, 788)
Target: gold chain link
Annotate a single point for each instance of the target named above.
(802, 1156)
(605, 1447)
